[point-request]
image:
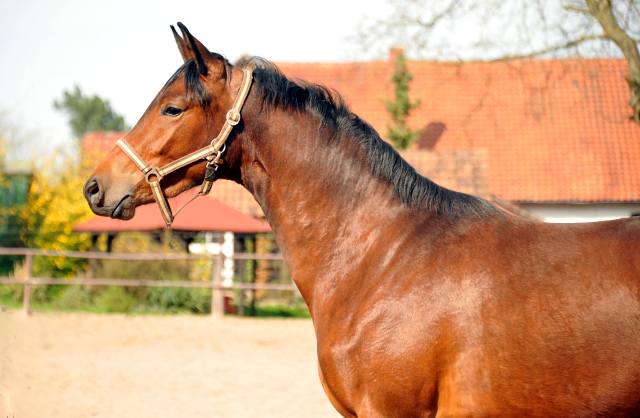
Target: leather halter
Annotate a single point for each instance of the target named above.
(211, 153)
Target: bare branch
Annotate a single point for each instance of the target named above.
(559, 47)
(576, 9)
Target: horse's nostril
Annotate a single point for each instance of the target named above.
(92, 188)
(92, 192)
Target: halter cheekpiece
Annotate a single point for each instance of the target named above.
(211, 153)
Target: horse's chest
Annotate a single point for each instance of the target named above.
(381, 371)
(397, 351)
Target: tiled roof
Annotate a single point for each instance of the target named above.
(553, 130)
(463, 171)
(98, 144)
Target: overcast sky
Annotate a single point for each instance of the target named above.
(124, 50)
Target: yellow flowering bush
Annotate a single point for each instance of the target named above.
(55, 205)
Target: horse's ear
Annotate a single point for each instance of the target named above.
(191, 48)
(181, 45)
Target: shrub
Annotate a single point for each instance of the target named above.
(178, 299)
(74, 297)
(11, 292)
(115, 299)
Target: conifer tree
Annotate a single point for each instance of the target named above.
(399, 132)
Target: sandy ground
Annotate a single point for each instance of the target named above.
(85, 365)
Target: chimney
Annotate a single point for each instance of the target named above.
(394, 53)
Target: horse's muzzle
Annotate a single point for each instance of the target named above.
(121, 208)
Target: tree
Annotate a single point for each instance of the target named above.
(399, 132)
(89, 113)
(510, 29)
(603, 11)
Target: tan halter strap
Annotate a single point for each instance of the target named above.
(211, 153)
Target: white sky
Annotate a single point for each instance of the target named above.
(124, 50)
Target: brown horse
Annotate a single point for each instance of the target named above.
(425, 302)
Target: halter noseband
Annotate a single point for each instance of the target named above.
(211, 153)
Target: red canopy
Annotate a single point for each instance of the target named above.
(203, 214)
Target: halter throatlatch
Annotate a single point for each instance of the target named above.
(211, 153)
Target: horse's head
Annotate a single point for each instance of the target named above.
(190, 111)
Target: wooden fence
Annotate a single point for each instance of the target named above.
(217, 297)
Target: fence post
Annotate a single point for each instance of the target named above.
(217, 295)
(241, 267)
(27, 285)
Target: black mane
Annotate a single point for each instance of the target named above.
(385, 162)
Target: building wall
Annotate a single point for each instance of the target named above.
(587, 212)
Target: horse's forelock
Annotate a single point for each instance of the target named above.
(193, 83)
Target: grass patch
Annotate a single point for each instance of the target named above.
(281, 311)
(121, 299)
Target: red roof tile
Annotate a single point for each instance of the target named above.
(99, 144)
(553, 130)
(203, 214)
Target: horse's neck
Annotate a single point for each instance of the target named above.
(320, 199)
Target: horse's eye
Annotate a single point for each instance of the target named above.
(171, 111)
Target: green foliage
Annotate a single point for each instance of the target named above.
(283, 311)
(178, 299)
(11, 292)
(74, 297)
(89, 113)
(144, 270)
(399, 132)
(115, 299)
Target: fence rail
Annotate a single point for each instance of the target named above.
(217, 297)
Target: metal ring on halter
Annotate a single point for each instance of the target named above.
(233, 117)
(214, 161)
(218, 155)
(152, 172)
